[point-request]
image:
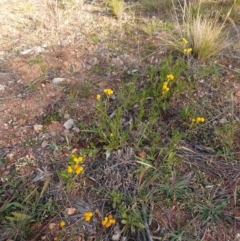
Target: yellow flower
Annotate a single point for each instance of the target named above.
(193, 120)
(79, 169)
(202, 120)
(78, 159)
(165, 88)
(98, 97)
(184, 41)
(88, 216)
(108, 92)
(187, 51)
(170, 77)
(108, 221)
(111, 134)
(62, 224)
(105, 220)
(69, 169)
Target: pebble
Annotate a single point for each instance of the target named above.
(2, 87)
(34, 50)
(57, 80)
(68, 124)
(37, 128)
(223, 120)
(66, 116)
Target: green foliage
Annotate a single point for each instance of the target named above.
(24, 207)
(213, 211)
(49, 118)
(143, 104)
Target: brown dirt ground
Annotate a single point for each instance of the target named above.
(29, 95)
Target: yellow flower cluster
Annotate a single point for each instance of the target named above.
(74, 165)
(198, 120)
(186, 51)
(184, 41)
(87, 216)
(170, 77)
(108, 221)
(165, 87)
(98, 97)
(108, 92)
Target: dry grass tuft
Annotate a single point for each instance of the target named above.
(116, 7)
(157, 5)
(35, 22)
(205, 34)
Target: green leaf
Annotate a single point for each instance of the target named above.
(20, 215)
(63, 174)
(124, 221)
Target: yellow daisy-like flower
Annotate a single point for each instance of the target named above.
(193, 120)
(79, 169)
(87, 216)
(108, 92)
(184, 41)
(62, 224)
(170, 77)
(69, 169)
(98, 97)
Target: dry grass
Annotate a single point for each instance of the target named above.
(205, 34)
(116, 7)
(34, 22)
(157, 5)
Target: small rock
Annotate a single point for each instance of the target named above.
(69, 124)
(66, 116)
(34, 50)
(57, 80)
(37, 128)
(52, 225)
(44, 144)
(52, 133)
(77, 130)
(237, 93)
(51, 94)
(223, 120)
(2, 87)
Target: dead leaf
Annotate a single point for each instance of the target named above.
(52, 226)
(142, 154)
(70, 211)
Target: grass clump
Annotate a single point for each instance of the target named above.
(205, 35)
(116, 7)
